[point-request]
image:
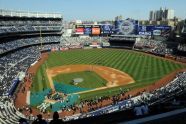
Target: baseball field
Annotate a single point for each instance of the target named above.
(104, 71)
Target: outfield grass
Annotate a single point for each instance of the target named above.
(144, 69)
(90, 79)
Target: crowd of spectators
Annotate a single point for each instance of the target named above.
(8, 113)
(161, 49)
(78, 42)
(153, 46)
(68, 43)
(182, 47)
(146, 43)
(29, 25)
(14, 63)
(11, 45)
(19, 61)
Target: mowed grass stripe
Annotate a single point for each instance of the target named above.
(120, 58)
(115, 60)
(139, 63)
(130, 63)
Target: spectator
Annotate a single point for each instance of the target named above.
(138, 111)
(145, 109)
(39, 120)
(23, 121)
(56, 119)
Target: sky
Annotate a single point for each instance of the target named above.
(97, 10)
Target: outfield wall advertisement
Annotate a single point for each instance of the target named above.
(154, 30)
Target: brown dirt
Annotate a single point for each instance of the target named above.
(33, 69)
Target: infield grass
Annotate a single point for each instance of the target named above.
(90, 79)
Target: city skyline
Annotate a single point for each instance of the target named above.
(97, 10)
(161, 15)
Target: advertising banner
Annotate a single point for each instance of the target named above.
(96, 31)
(79, 30)
(106, 29)
(154, 30)
(145, 33)
(157, 32)
(87, 30)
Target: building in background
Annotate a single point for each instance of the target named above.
(169, 14)
(151, 16)
(119, 18)
(161, 15)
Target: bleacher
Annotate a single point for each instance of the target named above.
(8, 113)
(182, 47)
(15, 44)
(20, 22)
(19, 60)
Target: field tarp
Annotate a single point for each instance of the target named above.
(68, 89)
(38, 97)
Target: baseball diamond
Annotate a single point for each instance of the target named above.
(123, 70)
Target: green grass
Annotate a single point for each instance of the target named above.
(110, 91)
(40, 80)
(90, 79)
(144, 69)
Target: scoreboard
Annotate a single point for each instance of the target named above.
(126, 27)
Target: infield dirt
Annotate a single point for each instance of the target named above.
(113, 76)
